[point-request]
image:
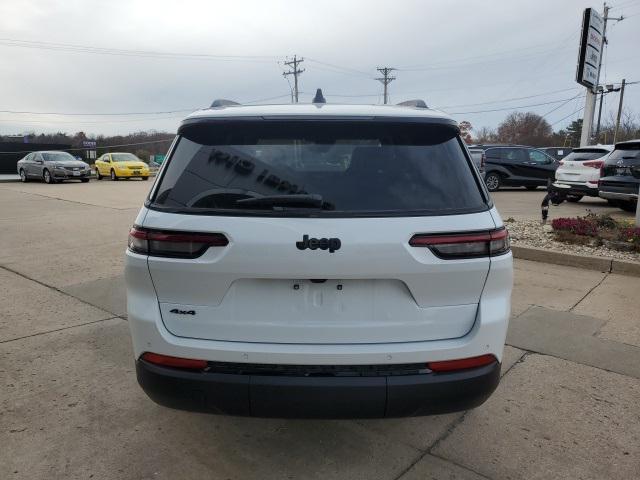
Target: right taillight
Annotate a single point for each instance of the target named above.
(561, 162)
(461, 364)
(593, 163)
(464, 245)
(483, 159)
(160, 243)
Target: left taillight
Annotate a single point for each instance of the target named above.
(465, 245)
(161, 243)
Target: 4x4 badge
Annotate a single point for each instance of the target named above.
(331, 244)
(177, 311)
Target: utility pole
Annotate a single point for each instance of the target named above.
(615, 134)
(295, 72)
(386, 79)
(592, 93)
(602, 93)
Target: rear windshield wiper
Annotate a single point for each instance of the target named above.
(298, 200)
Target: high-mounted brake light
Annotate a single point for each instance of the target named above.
(160, 243)
(461, 364)
(175, 362)
(594, 163)
(465, 245)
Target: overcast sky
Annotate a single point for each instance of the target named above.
(460, 56)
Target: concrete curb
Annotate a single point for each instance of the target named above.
(601, 264)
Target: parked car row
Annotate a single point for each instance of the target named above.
(607, 171)
(58, 166)
(515, 166)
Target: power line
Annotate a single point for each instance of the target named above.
(92, 122)
(386, 79)
(101, 146)
(517, 51)
(20, 112)
(466, 64)
(561, 105)
(505, 99)
(571, 114)
(75, 48)
(624, 4)
(266, 99)
(514, 108)
(338, 67)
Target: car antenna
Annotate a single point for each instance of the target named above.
(319, 98)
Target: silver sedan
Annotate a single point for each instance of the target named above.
(52, 167)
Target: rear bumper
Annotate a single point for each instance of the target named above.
(580, 188)
(619, 195)
(318, 397)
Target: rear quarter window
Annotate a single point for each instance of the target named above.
(369, 168)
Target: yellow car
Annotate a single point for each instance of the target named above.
(121, 165)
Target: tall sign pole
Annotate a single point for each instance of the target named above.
(592, 43)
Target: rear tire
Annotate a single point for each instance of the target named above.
(23, 176)
(114, 177)
(627, 206)
(574, 198)
(613, 203)
(98, 176)
(145, 178)
(531, 187)
(493, 181)
(84, 180)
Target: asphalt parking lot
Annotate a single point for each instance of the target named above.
(70, 407)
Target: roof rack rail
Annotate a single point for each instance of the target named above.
(417, 103)
(221, 102)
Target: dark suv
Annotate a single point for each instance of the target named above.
(620, 176)
(516, 166)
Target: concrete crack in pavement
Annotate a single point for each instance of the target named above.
(589, 292)
(60, 329)
(56, 289)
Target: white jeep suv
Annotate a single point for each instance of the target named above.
(318, 260)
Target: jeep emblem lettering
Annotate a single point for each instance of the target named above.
(331, 244)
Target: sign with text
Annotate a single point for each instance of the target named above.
(591, 42)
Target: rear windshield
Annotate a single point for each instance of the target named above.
(584, 155)
(628, 153)
(318, 168)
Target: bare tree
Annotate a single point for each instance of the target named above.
(485, 135)
(526, 128)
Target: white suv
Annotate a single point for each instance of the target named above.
(318, 260)
(581, 171)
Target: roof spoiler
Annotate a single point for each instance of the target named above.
(221, 103)
(417, 103)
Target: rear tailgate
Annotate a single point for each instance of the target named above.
(374, 289)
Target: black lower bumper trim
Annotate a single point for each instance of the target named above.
(318, 397)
